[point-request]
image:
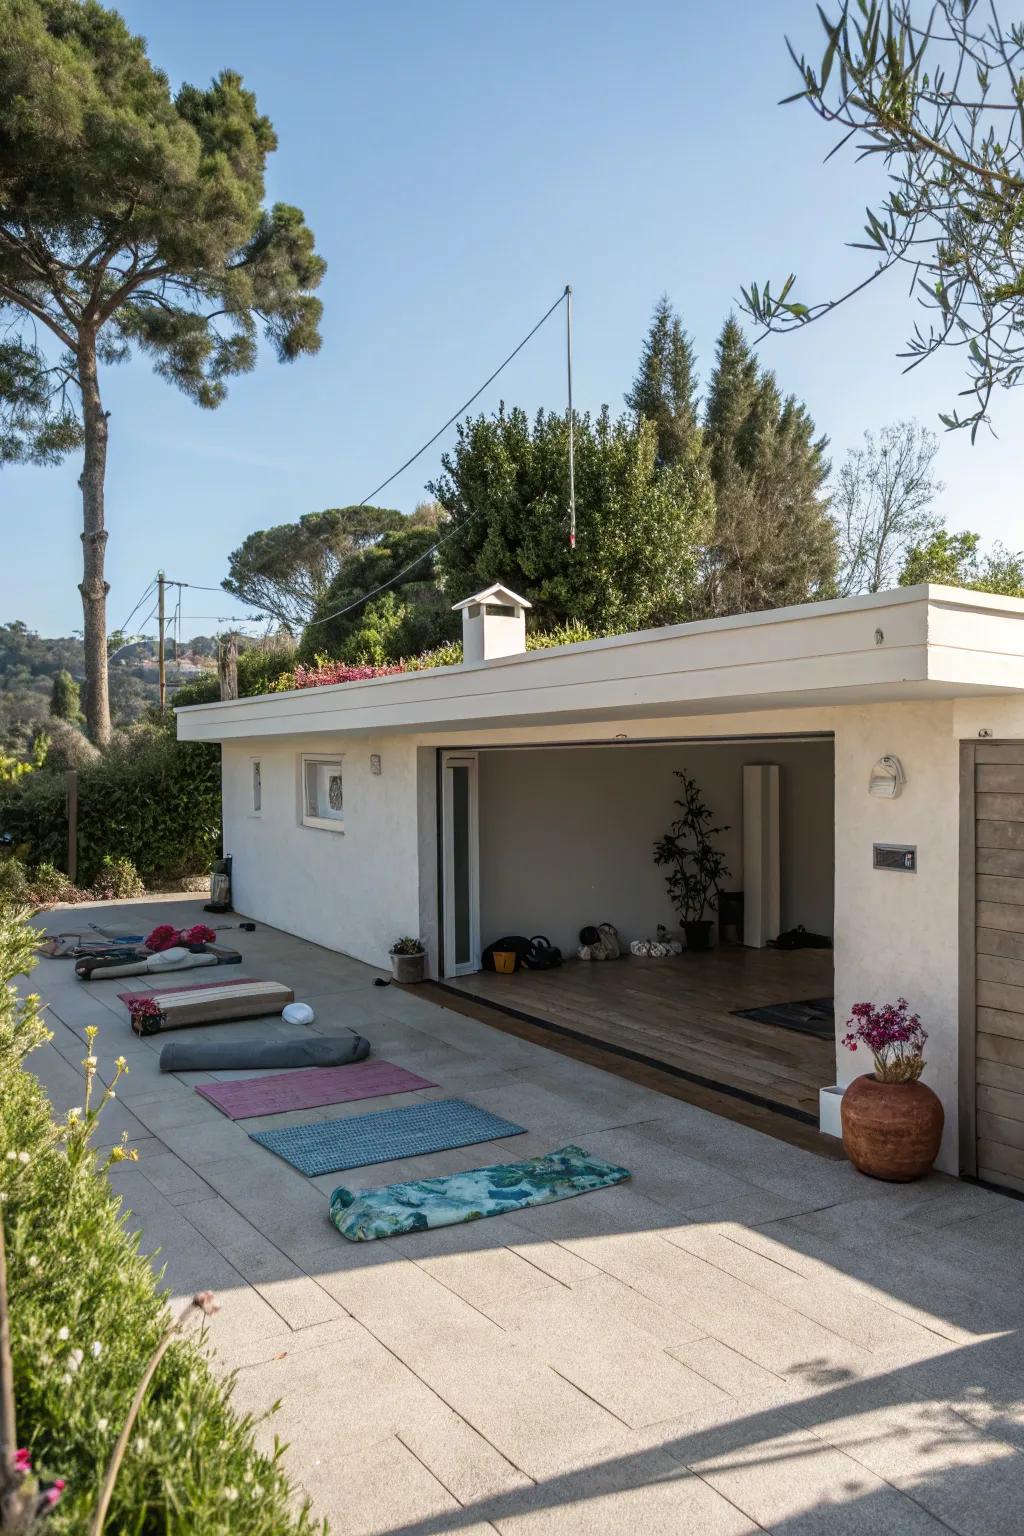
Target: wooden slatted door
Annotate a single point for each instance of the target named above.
(997, 791)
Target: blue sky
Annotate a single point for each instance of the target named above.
(459, 163)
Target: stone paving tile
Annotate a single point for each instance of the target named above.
(624, 1493)
(618, 1365)
(736, 1374)
(292, 1294)
(397, 1492)
(536, 1419)
(174, 1179)
(820, 1355)
(786, 1479)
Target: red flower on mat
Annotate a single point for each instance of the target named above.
(200, 934)
(163, 937)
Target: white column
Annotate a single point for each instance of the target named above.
(761, 867)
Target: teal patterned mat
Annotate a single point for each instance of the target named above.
(326, 1146)
(365, 1214)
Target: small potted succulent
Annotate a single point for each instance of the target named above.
(408, 959)
(892, 1122)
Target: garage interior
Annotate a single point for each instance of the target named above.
(553, 839)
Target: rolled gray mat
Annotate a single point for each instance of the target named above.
(239, 1055)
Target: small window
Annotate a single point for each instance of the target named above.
(257, 786)
(323, 803)
(501, 610)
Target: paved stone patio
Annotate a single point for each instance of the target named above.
(745, 1337)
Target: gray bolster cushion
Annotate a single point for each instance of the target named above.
(240, 1055)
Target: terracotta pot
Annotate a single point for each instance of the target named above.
(891, 1130)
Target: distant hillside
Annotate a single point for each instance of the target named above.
(29, 662)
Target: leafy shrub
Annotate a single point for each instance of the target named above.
(259, 667)
(66, 745)
(13, 882)
(118, 880)
(46, 885)
(148, 798)
(86, 1318)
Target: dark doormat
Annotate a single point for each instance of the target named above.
(816, 1016)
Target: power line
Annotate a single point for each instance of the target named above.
(562, 298)
(138, 605)
(565, 297)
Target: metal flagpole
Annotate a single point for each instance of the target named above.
(572, 456)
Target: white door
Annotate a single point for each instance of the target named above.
(460, 863)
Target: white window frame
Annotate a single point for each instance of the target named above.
(255, 766)
(327, 760)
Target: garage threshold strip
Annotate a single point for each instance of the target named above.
(757, 1100)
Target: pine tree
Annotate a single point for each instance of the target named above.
(774, 542)
(665, 388)
(66, 698)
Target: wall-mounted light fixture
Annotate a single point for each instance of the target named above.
(887, 778)
(375, 762)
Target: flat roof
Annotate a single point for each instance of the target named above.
(912, 643)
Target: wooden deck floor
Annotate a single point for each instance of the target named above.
(680, 1013)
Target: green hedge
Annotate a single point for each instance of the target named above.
(86, 1317)
(148, 798)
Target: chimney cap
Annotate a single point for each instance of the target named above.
(496, 593)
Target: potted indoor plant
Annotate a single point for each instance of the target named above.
(408, 958)
(696, 866)
(892, 1122)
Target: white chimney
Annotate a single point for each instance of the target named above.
(493, 624)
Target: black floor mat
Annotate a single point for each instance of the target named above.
(815, 1016)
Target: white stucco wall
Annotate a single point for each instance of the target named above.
(353, 891)
(566, 835)
(895, 934)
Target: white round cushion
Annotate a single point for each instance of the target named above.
(298, 1013)
(167, 959)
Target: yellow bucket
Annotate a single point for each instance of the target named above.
(504, 961)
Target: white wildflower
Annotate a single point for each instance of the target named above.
(75, 1360)
(97, 1349)
(102, 1425)
(63, 1334)
(231, 1494)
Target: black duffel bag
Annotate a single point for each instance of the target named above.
(542, 955)
(515, 944)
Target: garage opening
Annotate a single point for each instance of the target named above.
(554, 840)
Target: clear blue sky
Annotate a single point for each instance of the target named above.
(459, 163)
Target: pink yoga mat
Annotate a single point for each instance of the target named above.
(310, 1087)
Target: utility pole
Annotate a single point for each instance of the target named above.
(572, 456)
(161, 585)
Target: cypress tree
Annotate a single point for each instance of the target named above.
(665, 388)
(774, 542)
(66, 698)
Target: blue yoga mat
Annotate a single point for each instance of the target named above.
(358, 1140)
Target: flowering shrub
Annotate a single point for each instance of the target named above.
(87, 1318)
(341, 672)
(894, 1036)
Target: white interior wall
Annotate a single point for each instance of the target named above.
(354, 891)
(566, 835)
